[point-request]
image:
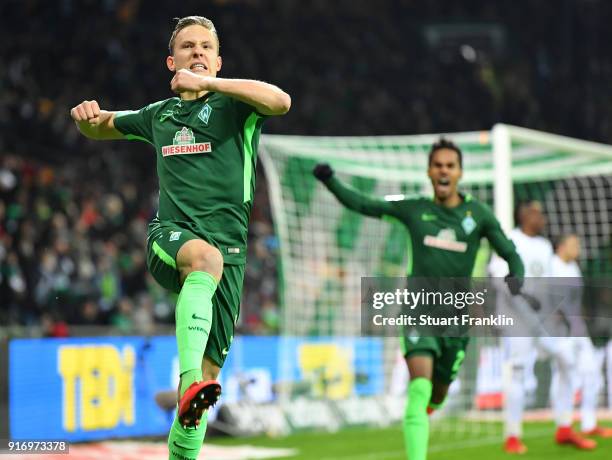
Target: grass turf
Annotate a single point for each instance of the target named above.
(475, 443)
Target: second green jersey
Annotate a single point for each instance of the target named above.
(206, 156)
(443, 241)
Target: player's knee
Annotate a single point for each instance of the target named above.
(198, 255)
(420, 367)
(209, 260)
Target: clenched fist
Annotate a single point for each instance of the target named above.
(185, 80)
(323, 172)
(86, 111)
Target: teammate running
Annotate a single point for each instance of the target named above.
(206, 146)
(445, 234)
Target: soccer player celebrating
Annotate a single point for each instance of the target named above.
(206, 147)
(445, 235)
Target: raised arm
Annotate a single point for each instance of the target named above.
(267, 99)
(351, 198)
(95, 123)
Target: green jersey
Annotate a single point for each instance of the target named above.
(206, 156)
(443, 241)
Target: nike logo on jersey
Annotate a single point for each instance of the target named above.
(194, 316)
(426, 217)
(224, 352)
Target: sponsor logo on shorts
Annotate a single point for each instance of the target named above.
(174, 236)
(225, 351)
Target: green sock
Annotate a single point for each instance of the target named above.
(416, 422)
(193, 320)
(185, 443)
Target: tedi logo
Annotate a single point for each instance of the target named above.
(98, 390)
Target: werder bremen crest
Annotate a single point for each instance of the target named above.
(204, 114)
(468, 223)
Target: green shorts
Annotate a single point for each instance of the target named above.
(163, 243)
(447, 352)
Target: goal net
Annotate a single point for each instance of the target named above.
(325, 249)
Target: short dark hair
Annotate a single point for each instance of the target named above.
(443, 143)
(522, 204)
(187, 21)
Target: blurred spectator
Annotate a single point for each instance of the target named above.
(51, 327)
(122, 319)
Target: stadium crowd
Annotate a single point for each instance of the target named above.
(73, 213)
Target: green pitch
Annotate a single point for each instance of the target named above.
(480, 442)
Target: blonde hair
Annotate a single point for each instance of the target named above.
(192, 21)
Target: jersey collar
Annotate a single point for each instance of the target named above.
(185, 106)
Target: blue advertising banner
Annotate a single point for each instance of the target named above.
(88, 388)
(97, 388)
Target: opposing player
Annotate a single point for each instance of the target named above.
(588, 360)
(445, 233)
(536, 253)
(206, 149)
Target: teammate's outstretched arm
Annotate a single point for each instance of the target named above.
(351, 198)
(267, 99)
(95, 123)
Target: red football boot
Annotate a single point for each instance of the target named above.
(599, 431)
(198, 397)
(565, 435)
(514, 445)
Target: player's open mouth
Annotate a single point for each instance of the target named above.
(198, 67)
(443, 184)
